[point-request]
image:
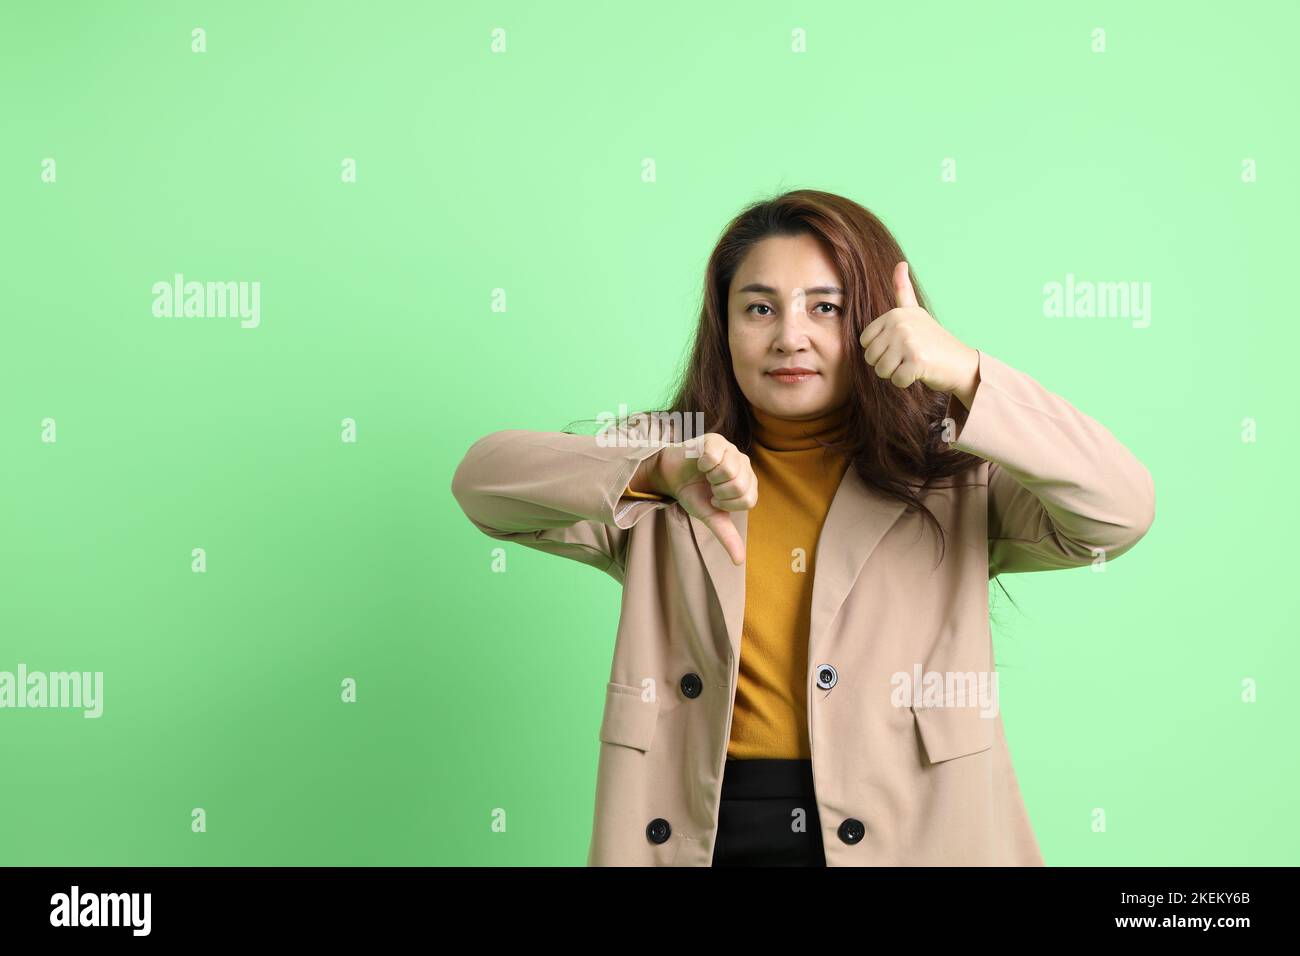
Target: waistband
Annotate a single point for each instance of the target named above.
(766, 777)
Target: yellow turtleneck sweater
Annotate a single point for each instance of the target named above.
(797, 480)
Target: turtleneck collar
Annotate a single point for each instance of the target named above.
(785, 434)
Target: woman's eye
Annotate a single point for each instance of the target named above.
(762, 305)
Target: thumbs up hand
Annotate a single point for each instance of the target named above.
(907, 344)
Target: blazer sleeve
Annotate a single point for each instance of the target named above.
(556, 492)
(1060, 485)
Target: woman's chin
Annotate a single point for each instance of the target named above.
(801, 406)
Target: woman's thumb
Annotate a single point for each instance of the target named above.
(725, 531)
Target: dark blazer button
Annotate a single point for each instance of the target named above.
(658, 830)
(826, 676)
(851, 830)
(692, 685)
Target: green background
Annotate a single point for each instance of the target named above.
(522, 171)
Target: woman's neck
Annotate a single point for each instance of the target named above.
(787, 434)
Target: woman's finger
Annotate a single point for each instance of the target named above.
(904, 294)
(721, 525)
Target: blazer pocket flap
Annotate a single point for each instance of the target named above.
(949, 732)
(629, 720)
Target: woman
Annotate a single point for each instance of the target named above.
(802, 676)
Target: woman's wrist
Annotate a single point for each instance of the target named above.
(965, 392)
(647, 479)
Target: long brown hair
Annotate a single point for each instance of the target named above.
(894, 435)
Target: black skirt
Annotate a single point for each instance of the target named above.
(759, 823)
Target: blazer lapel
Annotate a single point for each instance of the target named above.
(858, 518)
(728, 579)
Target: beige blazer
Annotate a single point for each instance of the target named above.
(906, 772)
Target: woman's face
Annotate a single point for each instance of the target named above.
(784, 310)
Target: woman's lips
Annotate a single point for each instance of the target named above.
(793, 376)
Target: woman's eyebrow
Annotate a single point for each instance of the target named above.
(814, 290)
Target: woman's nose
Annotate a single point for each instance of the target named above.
(791, 332)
